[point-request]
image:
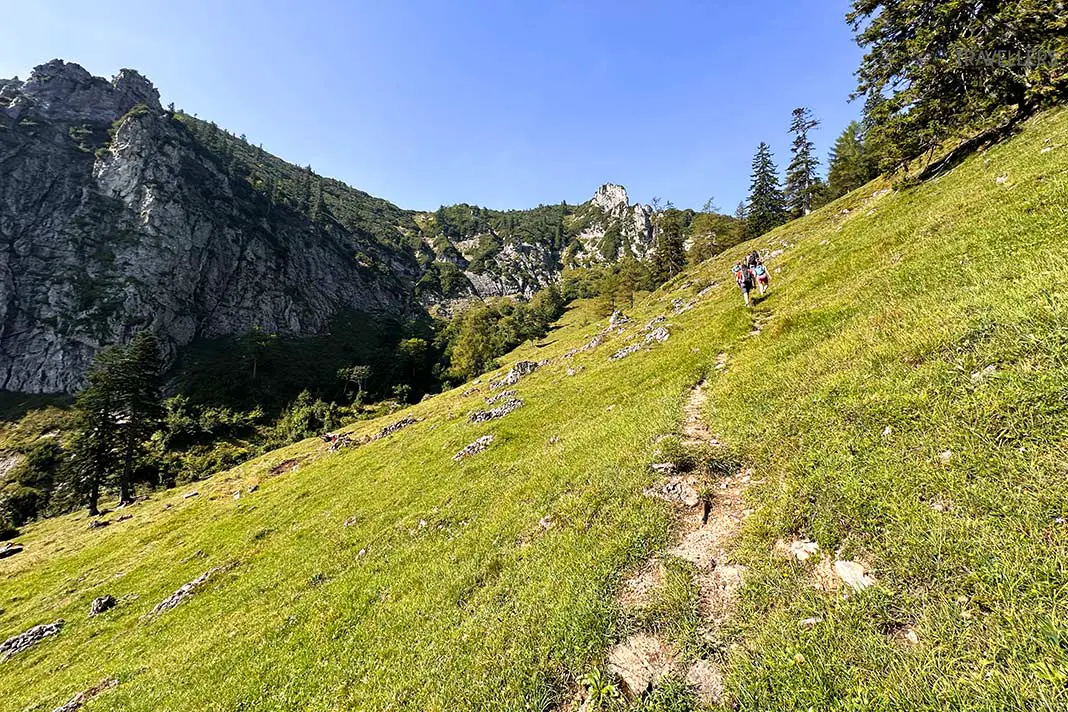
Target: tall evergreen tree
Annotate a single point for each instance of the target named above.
(140, 404)
(802, 182)
(956, 65)
(850, 164)
(766, 208)
(669, 257)
(96, 440)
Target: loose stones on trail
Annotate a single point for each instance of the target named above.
(853, 575)
(186, 590)
(25, 641)
(503, 395)
(707, 680)
(520, 369)
(474, 448)
(640, 661)
(481, 416)
(101, 604)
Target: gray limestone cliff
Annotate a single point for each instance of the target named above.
(117, 215)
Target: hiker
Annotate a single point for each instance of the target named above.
(753, 259)
(762, 277)
(744, 277)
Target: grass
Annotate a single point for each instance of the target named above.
(888, 315)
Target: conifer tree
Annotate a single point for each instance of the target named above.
(801, 179)
(669, 257)
(944, 67)
(766, 208)
(850, 164)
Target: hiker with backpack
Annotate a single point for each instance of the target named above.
(744, 276)
(762, 277)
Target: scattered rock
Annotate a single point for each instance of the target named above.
(237, 494)
(945, 455)
(124, 517)
(75, 703)
(572, 371)
(707, 290)
(394, 427)
(186, 590)
(519, 370)
(98, 523)
(912, 637)
(351, 521)
(503, 395)
(474, 448)
(554, 439)
(1002, 179)
(803, 549)
(707, 680)
(10, 550)
(638, 589)
(547, 522)
(660, 334)
(656, 321)
(481, 416)
(187, 495)
(624, 352)
(675, 490)
(776, 253)
(101, 604)
(470, 391)
(827, 242)
(887, 431)
(809, 623)
(640, 661)
(853, 575)
(681, 306)
(25, 641)
(618, 319)
(253, 488)
(983, 374)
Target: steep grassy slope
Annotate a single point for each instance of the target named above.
(865, 400)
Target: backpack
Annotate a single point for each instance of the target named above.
(745, 277)
(760, 270)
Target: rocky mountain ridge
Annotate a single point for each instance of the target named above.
(117, 215)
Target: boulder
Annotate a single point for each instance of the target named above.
(25, 641)
(102, 604)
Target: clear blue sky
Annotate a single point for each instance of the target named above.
(505, 104)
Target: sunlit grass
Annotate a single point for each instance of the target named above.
(445, 592)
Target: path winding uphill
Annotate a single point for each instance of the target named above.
(861, 502)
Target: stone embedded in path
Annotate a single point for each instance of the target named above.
(101, 604)
(640, 661)
(520, 369)
(707, 680)
(674, 489)
(481, 416)
(474, 448)
(25, 641)
(186, 590)
(79, 700)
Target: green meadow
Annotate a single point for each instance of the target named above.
(904, 404)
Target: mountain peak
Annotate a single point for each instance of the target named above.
(66, 91)
(610, 197)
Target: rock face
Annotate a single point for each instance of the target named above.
(117, 215)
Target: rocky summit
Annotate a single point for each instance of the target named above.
(118, 215)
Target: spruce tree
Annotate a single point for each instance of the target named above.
(669, 257)
(948, 67)
(850, 164)
(766, 208)
(139, 386)
(801, 178)
(96, 438)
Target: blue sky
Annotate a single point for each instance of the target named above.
(506, 104)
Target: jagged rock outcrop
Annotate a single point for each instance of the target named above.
(117, 215)
(101, 237)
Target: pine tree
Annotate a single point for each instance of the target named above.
(669, 258)
(140, 402)
(850, 164)
(96, 439)
(801, 178)
(766, 208)
(942, 66)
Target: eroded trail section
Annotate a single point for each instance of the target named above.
(710, 510)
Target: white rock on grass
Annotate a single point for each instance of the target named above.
(803, 549)
(853, 575)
